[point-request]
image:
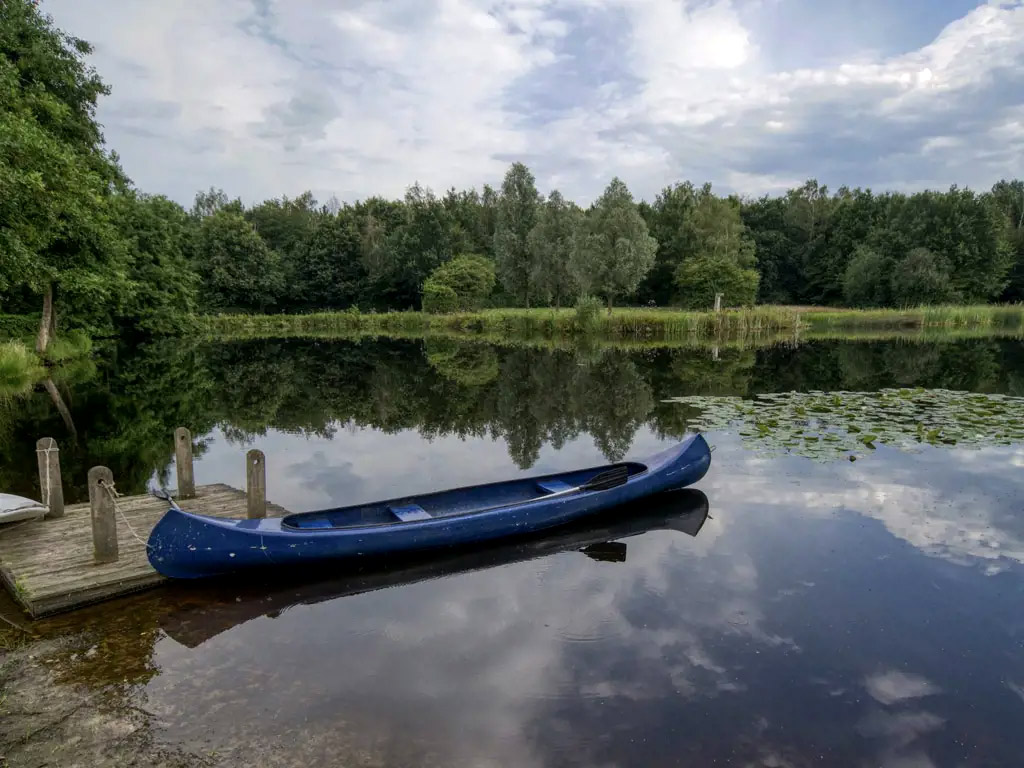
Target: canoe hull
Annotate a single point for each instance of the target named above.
(186, 545)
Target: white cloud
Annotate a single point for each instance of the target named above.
(952, 520)
(268, 98)
(894, 686)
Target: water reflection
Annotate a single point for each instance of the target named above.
(838, 613)
(122, 410)
(825, 613)
(229, 603)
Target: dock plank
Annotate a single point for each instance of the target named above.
(48, 567)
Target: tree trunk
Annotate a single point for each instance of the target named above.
(46, 321)
(62, 407)
(527, 301)
(609, 305)
(558, 301)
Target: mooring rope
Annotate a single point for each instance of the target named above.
(114, 496)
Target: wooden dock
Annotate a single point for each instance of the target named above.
(84, 553)
(48, 565)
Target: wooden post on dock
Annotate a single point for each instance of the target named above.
(104, 524)
(50, 487)
(183, 462)
(255, 484)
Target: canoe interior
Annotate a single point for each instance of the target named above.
(459, 501)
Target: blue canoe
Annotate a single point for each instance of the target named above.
(184, 545)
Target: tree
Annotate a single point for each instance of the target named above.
(516, 216)
(866, 281)
(551, 243)
(670, 221)
(920, 277)
(469, 278)
(808, 210)
(438, 298)
(55, 176)
(723, 255)
(284, 222)
(765, 220)
(326, 269)
(237, 269)
(612, 250)
(961, 228)
(421, 241)
(1007, 198)
(700, 278)
(208, 202)
(157, 234)
(852, 216)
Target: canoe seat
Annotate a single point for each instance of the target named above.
(553, 486)
(407, 513)
(316, 522)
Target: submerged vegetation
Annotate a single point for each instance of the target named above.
(826, 426)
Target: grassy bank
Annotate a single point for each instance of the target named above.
(512, 323)
(1006, 316)
(622, 324)
(20, 368)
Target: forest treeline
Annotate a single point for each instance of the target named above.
(81, 246)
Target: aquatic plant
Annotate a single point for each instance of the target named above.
(830, 425)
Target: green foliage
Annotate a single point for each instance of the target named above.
(18, 325)
(961, 228)
(551, 245)
(920, 277)
(612, 250)
(19, 369)
(326, 269)
(587, 316)
(699, 278)
(469, 279)
(670, 221)
(469, 365)
(516, 216)
(866, 281)
(438, 298)
(55, 178)
(721, 258)
(157, 234)
(1007, 200)
(237, 269)
(70, 346)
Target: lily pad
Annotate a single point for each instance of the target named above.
(828, 426)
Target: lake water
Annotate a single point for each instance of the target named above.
(801, 609)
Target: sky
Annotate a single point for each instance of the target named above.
(354, 98)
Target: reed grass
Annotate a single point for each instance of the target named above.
(952, 316)
(621, 324)
(544, 323)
